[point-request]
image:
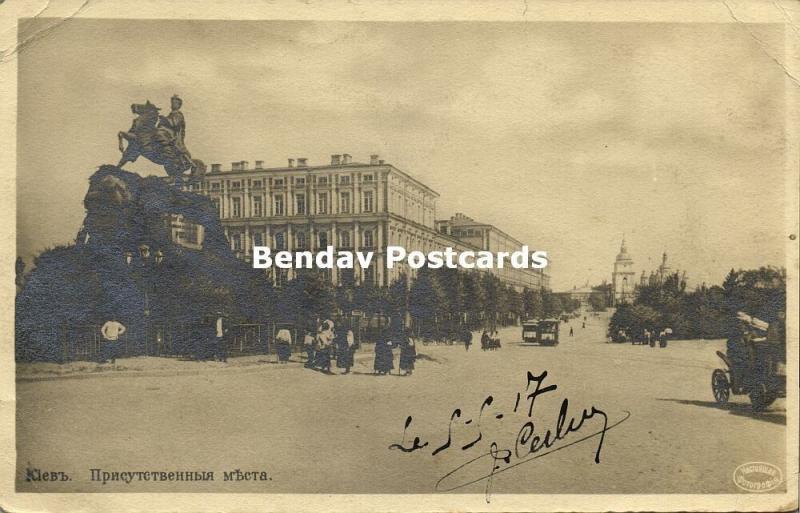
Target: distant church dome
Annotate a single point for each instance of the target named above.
(623, 253)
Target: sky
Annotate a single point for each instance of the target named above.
(564, 135)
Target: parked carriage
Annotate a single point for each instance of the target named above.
(756, 366)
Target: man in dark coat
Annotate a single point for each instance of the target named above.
(384, 359)
(408, 354)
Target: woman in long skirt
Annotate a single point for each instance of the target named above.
(344, 351)
(309, 344)
(408, 355)
(383, 356)
(324, 346)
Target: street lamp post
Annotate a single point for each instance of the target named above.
(147, 265)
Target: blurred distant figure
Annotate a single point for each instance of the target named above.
(495, 340)
(663, 336)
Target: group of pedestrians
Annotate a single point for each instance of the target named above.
(583, 325)
(651, 337)
(384, 354)
(490, 340)
(328, 345)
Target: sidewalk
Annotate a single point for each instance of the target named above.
(145, 366)
(159, 366)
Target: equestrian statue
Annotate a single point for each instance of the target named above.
(160, 139)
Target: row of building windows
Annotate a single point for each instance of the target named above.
(300, 205)
(466, 233)
(301, 240)
(280, 182)
(346, 276)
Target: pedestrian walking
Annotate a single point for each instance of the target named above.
(383, 356)
(584, 325)
(570, 331)
(345, 345)
(325, 346)
(408, 354)
(111, 331)
(485, 340)
(662, 339)
(466, 336)
(283, 345)
(495, 340)
(220, 349)
(309, 344)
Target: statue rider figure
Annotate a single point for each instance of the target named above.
(160, 139)
(175, 124)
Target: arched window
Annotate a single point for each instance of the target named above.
(368, 239)
(323, 239)
(280, 241)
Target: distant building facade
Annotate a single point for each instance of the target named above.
(582, 295)
(345, 204)
(490, 238)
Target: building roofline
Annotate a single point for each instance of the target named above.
(484, 225)
(306, 169)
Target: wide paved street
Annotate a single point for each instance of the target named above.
(313, 432)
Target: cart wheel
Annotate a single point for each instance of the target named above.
(760, 398)
(720, 386)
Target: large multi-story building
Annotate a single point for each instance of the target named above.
(344, 204)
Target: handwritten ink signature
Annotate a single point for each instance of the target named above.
(528, 445)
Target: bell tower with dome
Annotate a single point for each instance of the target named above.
(623, 278)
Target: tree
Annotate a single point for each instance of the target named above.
(474, 298)
(425, 300)
(633, 320)
(514, 302)
(552, 305)
(491, 285)
(398, 298)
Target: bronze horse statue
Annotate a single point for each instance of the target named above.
(156, 143)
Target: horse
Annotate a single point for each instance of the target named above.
(157, 144)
